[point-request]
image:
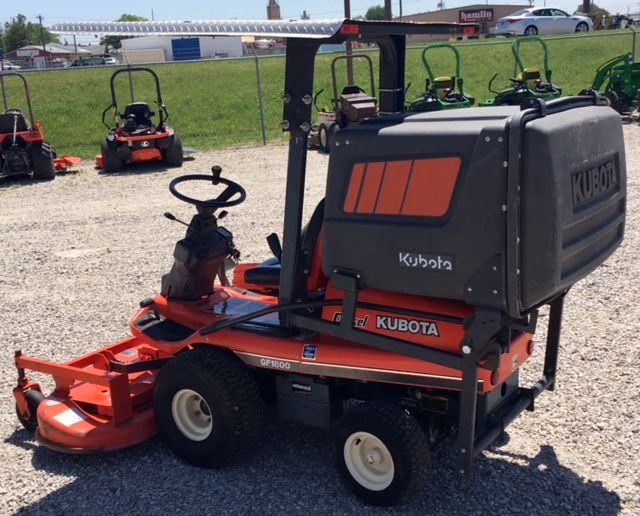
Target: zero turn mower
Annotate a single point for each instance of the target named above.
(442, 92)
(135, 138)
(389, 317)
(619, 81)
(352, 106)
(23, 150)
(528, 83)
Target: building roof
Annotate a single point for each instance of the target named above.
(54, 48)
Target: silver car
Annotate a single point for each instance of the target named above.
(545, 20)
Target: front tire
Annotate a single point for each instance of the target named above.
(582, 27)
(42, 156)
(531, 30)
(208, 406)
(111, 161)
(382, 453)
(173, 155)
(34, 398)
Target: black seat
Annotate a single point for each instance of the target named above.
(351, 90)
(268, 272)
(140, 113)
(7, 121)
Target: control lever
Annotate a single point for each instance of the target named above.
(274, 244)
(216, 170)
(171, 216)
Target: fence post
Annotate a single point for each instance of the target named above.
(260, 97)
(133, 95)
(633, 48)
(4, 93)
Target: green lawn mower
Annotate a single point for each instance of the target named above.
(528, 84)
(619, 81)
(442, 92)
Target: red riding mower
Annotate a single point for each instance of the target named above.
(23, 150)
(352, 106)
(135, 138)
(390, 317)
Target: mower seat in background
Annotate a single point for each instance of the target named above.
(267, 274)
(7, 121)
(140, 112)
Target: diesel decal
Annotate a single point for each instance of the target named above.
(384, 322)
(274, 363)
(358, 322)
(588, 185)
(425, 261)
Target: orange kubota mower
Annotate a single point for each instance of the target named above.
(399, 315)
(135, 137)
(23, 149)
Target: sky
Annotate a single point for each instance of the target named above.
(54, 11)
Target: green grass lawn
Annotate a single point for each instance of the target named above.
(215, 103)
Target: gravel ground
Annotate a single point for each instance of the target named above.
(79, 253)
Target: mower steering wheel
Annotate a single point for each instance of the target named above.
(224, 200)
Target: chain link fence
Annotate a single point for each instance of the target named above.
(224, 102)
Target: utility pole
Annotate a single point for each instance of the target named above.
(44, 46)
(400, 10)
(347, 15)
(586, 7)
(387, 10)
(153, 18)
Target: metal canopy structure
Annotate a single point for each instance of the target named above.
(317, 29)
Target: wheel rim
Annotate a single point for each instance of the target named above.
(323, 137)
(191, 414)
(369, 461)
(582, 27)
(531, 31)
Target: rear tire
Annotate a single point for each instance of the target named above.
(382, 453)
(208, 406)
(173, 155)
(111, 161)
(531, 30)
(582, 27)
(34, 398)
(42, 156)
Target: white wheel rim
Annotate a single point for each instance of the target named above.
(369, 461)
(191, 414)
(323, 137)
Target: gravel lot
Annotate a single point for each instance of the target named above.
(79, 253)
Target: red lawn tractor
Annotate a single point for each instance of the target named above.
(23, 150)
(400, 315)
(135, 137)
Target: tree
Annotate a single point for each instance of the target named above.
(375, 12)
(115, 41)
(18, 32)
(593, 8)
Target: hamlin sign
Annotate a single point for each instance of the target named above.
(476, 15)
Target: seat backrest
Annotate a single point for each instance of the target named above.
(351, 90)
(141, 113)
(311, 237)
(7, 120)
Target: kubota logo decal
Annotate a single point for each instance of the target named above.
(414, 326)
(588, 185)
(434, 262)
